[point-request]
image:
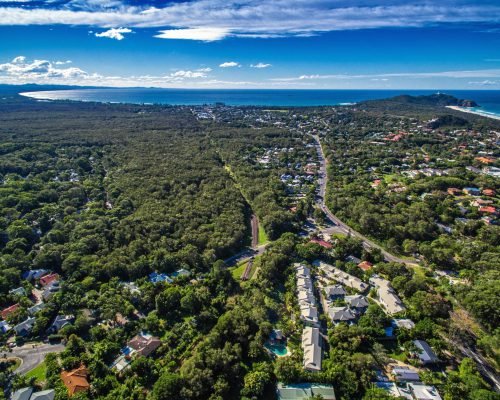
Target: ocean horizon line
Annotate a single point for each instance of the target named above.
(489, 100)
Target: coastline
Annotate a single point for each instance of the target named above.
(482, 114)
(251, 98)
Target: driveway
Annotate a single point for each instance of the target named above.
(32, 354)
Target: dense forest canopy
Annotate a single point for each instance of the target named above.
(132, 210)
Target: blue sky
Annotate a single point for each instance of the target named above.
(345, 44)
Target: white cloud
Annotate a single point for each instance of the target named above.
(62, 62)
(486, 82)
(260, 65)
(202, 34)
(188, 74)
(229, 64)
(21, 70)
(210, 20)
(114, 33)
(482, 73)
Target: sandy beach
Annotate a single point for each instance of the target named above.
(466, 110)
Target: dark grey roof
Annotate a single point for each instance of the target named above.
(22, 394)
(426, 354)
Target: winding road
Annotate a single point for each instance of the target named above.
(367, 243)
(31, 355)
(483, 365)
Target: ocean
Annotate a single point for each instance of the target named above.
(489, 100)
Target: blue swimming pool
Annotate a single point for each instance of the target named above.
(279, 349)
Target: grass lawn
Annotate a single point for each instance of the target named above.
(419, 271)
(38, 372)
(252, 271)
(389, 178)
(393, 351)
(262, 235)
(237, 271)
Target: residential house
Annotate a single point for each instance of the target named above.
(22, 394)
(277, 337)
(4, 327)
(9, 310)
(481, 203)
(422, 392)
(309, 315)
(322, 243)
(357, 302)
(492, 171)
(365, 265)
(389, 387)
(18, 291)
(311, 346)
(304, 391)
(425, 353)
(403, 323)
(405, 375)
(25, 327)
(28, 393)
(489, 192)
(353, 259)
(159, 277)
(60, 322)
(471, 191)
(304, 284)
(144, 344)
(341, 314)
(37, 307)
(76, 380)
(302, 271)
(485, 160)
(50, 289)
(473, 169)
(387, 296)
(48, 279)
(335, 292)
(340, 276)
(34, 274)
(488, 210)
(132, 287)
(454, 191)
(305, 296)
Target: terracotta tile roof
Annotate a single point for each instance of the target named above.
(9, 310)
(365, 265)
(485, 160)
(45, 280)
(322, 243)
(76, 380)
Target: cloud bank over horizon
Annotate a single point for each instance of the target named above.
(20, 70)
